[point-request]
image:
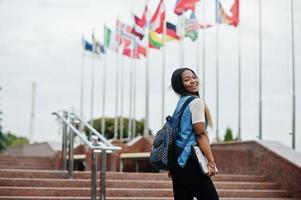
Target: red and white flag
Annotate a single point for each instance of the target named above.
(124, 34)
(140, 24)
(156, 23)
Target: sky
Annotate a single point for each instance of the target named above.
(40, 41)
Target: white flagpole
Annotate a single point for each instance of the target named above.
(92, 88)
(117, 92)
(293, 78)
(163, 66)
(131, 92)
(117, 96)
(204, 49)
(146, 122)
(181, 42)
(217, 67)
(121, 98)
(134, 99)
(32, 114)
(239, 76)
(103, 122)
(82, 84)
(260, 71)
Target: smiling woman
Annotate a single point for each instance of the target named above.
(188, 179)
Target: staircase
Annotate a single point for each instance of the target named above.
(25, 162)
(49, 184)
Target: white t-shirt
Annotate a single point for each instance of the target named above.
(197, 109)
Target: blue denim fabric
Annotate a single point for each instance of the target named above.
(184, 131)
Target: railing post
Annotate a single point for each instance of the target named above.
(64, 142)
(94, 170)
(70, 171)
(103, 174)
(94, 175)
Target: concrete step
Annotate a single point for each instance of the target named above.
(124, 198)
(118, 176)
(20, 158)
(25, 162)
(29, 182)
(20, 166)
(19, 162)
(130, 192)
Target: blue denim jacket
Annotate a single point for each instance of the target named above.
(184, 131)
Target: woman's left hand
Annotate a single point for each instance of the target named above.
(212, 169)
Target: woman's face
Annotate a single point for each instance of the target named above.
(190, 82)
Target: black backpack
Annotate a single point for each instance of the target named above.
(163, 147)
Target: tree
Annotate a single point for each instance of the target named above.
(229, 135)
(109, 130)
(12, 140)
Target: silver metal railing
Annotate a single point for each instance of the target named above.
(99, 144)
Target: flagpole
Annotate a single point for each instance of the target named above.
(198, 47)
(293, 78)
(92, 88)
(131, 92)
(163, 67)
(32, 114)
(146, 122)
(182, 42)
(117, 94)
(121, 98)
(134, 99)
(82, 85)
(217, 82)
(103, 122)
(239, 77)
(204, 49)
(260, 72)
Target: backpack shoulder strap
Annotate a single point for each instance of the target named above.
(185, 105)
(181, 112)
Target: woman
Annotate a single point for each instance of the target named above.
(188, 180)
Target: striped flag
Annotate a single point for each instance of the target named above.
(156, 23)
(154, 40)
(192, 24)
(171, 32)
(223, 18)
(123, 34)
(140, 24)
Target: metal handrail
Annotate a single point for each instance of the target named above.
(91, 128)
(104, 147)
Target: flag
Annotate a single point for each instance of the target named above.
(140, 24)
(191, 27)
(136, 52)
(123, 34)
(193, 35)
(107, 36)
(171, 32)
(154, 40)
(137, 30)
(98, 48)
(156, 23)
(183, 5)
(192, 23)
(223, 18)
(87, 45)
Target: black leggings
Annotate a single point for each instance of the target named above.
(189, 182)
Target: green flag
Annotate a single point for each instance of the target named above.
(107, 36)
(193, 35)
